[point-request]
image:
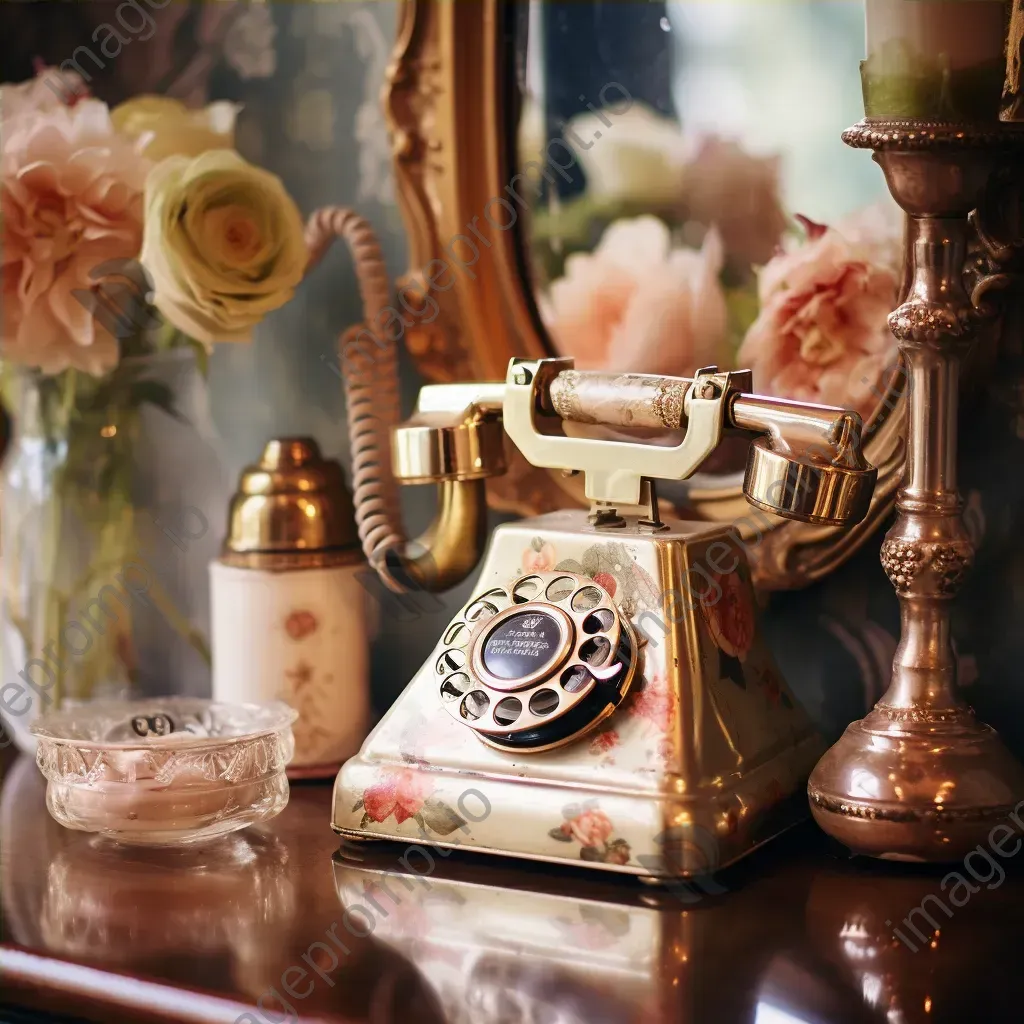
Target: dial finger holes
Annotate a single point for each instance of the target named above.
(560, 589)
(526, 589)
(457, 635)
(543, 702)
(587, 598)
(507, 711)
(455, 686)
(474, 705)
(480, 610)
(596, 651)
(450, 661)
(575, 679)
(599, 622)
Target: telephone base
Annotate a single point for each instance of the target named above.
(706, 839)
(705, 758)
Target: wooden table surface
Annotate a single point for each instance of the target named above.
(261, 927)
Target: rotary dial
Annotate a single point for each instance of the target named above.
(538, 663)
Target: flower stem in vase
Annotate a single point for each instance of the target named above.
(71, 528)
(941, 60)
(92, 534)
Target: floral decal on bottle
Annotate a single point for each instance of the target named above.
(300, 677)
(408, 794)
(589, 826)
(300, 624)
(304, 691)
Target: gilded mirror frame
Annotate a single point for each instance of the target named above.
(445, 98)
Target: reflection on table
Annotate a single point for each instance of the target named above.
(282, 921)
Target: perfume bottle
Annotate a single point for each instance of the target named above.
(288, 609)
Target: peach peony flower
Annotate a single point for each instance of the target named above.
(637, 304)
(72, 201)
(822, 334)
(877, 230)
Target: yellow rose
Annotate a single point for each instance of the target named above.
(223, 244)
(166, 127)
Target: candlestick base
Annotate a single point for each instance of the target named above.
(917, 784)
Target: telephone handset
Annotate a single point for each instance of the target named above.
(538, 663)
(807, 465)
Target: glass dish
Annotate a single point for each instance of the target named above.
(166, 771)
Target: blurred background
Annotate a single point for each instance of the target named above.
(781, 80)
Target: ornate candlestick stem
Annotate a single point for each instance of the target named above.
(928, 550)
(920, 778)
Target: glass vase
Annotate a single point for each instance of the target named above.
(110, 489)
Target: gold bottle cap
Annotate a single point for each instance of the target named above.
(291, 511)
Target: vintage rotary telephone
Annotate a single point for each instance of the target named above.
(605, 696)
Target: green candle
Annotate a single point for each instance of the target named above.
(935, 59)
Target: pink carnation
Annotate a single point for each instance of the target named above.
(822, 334)
(637, 304)
(72, 201)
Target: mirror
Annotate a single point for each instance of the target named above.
(692, 201)
(651, 247)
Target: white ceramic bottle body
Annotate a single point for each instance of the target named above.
(299, 636)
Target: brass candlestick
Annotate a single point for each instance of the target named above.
(920, 778)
